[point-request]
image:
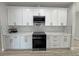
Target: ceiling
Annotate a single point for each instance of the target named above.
(41, 4)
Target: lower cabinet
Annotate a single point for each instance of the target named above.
(7, 42)
(20, 42)
(58, 41)
(26, 43)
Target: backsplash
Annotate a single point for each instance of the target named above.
(66, 29)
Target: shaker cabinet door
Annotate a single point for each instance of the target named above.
(28, 16)
(54, 17)
(15, 15)
(11, 16)
(66, 42)
(15, 44)
(62, 16)
(7, 42)
(39, 11)
(22, 42)
(48, 17)
(58, 16)
(28, 42)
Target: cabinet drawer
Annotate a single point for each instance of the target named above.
(54, 46)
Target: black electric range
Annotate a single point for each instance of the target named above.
(39, 41)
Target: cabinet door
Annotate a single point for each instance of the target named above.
(25, 42)
(55, 41)
(15, 44)
(7, 42)
(22, 42)
(42, 11)
(54, 16)
(39, 11)
(48, 17)
(28, 42)
(48, 41)
(66, 42)
(62, 16)
(36, 12)
(11, 16)
(27, 16)
(15, 15)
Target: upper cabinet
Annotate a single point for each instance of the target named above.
(15, 15)
(43, 12)
(47, 16)
(24, 15)
(58, 17)
(54, 17)
(62, 16)
(39, 11)
(27, 16)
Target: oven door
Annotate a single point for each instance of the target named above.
(39, 44)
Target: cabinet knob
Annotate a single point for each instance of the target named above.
(25, 40)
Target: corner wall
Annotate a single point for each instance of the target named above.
(3, 23)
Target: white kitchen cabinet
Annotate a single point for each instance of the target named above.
(58, 41)
(19, 42)
(24, 15)
(44, 12)
(28, 16)
(14, 42)
(48, 17)
(66, 42)
(26, 42)
(36, 12)
(7, 42)
(54, 17)
(62, 16)
(53, 41)
(39, 11)
(58, 16)
(15, 15)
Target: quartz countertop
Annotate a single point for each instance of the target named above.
(30, 33)
(20, 33)
(57, 33)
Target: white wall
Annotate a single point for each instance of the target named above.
(71, 21)
(72, 18)
(77, 20)
(3, 21)
(3, 17)
(77, 25)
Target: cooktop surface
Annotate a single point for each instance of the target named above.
(38, 32)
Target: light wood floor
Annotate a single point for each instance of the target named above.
(49, 52)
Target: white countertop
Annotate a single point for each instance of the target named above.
(30, 33)
(20, 33)
(56, 33)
